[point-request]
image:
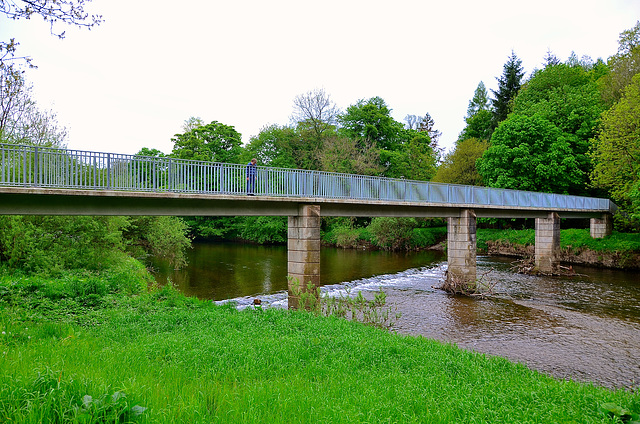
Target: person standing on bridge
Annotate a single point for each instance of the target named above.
(252, 172)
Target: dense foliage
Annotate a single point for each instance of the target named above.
(543, 144)
(459, 165)
(616, 150)
(49, 245)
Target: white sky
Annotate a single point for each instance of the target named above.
(133, 81)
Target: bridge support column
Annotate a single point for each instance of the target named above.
(601, 227)
(303, 253)
(547, 243)
(461, 249)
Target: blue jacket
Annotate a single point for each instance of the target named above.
(251, 170)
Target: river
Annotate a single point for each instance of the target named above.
(585, 327)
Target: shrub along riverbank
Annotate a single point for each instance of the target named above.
(90, 348)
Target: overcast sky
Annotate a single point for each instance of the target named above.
(133, 81)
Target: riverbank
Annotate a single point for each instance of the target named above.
(159, 356)
(617, 251)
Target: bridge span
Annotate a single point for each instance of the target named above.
(48, 181)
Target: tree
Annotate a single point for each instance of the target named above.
(192, 123)
(414, 159)
(370, 121)
(480, 101)
(530, 153)
(212, 142)
(551, 59)
(426, 124)
(508, 85)
(622, 66)
(274, 146)
(341, 154)
(412, 122)
(616, 150)
(315, 109)
(479, 126)
(459, 166)
(567, 96)
(21, 121)
(71, 12)
(146, 151)
(479, 117)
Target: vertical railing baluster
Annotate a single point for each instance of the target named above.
(108, 171)
(36, 167)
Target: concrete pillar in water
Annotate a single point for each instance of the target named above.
(547, 243)
(461, 248)
(303, 254)
(601, 227)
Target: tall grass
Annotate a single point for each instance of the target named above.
(163, 358)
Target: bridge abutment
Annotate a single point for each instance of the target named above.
(461, 248)
(601, 227)
(303, 246)
(547, 243)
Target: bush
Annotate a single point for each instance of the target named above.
(392, 233)
(52, 245)
(164, 237)
(427, 237)
(264, 229)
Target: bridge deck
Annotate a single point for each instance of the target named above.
(43, 180)
(49, 201)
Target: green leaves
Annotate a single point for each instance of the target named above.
(108, 408)
(530, 153)
(624, 415)
(371, 121)
(213, 142)
(616, 150)
(543, 144)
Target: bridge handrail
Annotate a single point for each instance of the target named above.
(36, 166)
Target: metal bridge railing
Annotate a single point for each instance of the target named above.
(31, 166)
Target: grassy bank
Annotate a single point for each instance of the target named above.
(569, 239)
(78, 350)
(619, 250)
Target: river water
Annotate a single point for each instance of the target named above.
(585, 327)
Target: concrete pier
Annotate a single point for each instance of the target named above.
(601, 227)
(304, 252)
(461, 247)
(547, 243)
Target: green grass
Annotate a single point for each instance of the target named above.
(616, 242)
(186, 360)
(514, 237)
(571, 238)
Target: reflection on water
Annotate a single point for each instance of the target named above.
(221, 271)
(585, 327)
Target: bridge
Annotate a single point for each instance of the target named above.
(51, 181)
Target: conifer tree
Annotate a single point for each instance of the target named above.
(480, 101)
(508, 85)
